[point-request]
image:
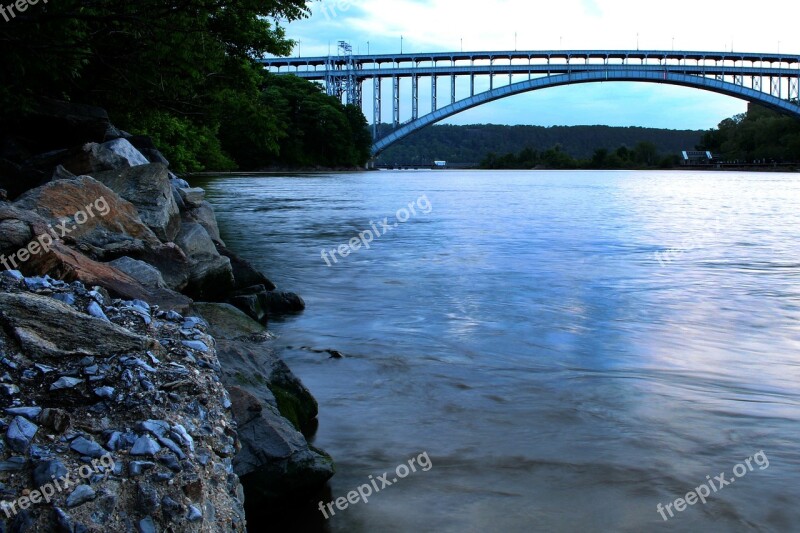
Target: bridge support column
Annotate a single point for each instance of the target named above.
(472, 84)
(452, 89)
(414, 97)
(434, 94)
(376, 109)
(396, 99)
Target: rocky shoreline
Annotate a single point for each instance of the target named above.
(130, 333)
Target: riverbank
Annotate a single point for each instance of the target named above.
(97, 233)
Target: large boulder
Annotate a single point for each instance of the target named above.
(245, 273)
(91, 158)
(210, 274)
(123, 148)
(64, 263)
(148, 188)
(100, 222)
(228, 323)
(204, 215)
(284, 303)
(146, 274)
(45, 327)
(275, 463)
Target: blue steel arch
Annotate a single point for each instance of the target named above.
(632, 75)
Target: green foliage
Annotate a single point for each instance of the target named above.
(758, 135)
(468, 145)
(643, 155)
(181, 71)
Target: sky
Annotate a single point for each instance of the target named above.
(448, 25)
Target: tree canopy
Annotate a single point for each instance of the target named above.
(182, 71)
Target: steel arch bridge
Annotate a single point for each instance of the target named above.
(772, 80)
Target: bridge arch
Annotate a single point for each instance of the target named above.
(631, 75)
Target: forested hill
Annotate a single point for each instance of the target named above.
(471, 144)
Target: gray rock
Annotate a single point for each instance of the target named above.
(204, 215)
(284, 302)
(226, 322)
(61, 173)
(192, 197)
(28, 412)
(124, 149)
(20, 434)
(147, 187)
(65, 297)
(81, 495)
(275, 458)
(64, 521)
(145, 445)
(147, 275)
(194, 514)
(14, 275)
(8, 390)
(65, 383)
(158, 428)
(13, 464)
(47, 328)
(104, 392)
(198, 346)
(146, 525)
(137, 468)
(96, 311)
(210, 275)
(14, 234)
(88, 448)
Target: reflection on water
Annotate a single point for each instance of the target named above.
(525, 335)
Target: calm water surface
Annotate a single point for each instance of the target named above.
(523, 333)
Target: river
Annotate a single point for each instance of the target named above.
(569, 349)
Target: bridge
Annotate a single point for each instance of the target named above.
(475, 78)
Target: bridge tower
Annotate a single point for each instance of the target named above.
(341, 79)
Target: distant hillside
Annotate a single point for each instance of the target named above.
(471, 144)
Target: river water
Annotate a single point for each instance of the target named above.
(532, 334)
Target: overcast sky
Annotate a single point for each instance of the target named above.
(442, 25)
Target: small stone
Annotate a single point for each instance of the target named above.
(104, 392)
(87, 448)
(161, 477)
(14, 275)
(8, 390)
(20, 434)
(28, 412)
(171, 462)
(146, 525)
(137, 468)
(81, 495)
(194, 514)
(145, 446)
(96, 311)
(64, 521)
(198, 346)
(37, 284)
(65, 297)
(139, 304)
(158, 428)
(44, 369)
(180, 434)
(66, 383)
(174, 448)
(13, 464)
(29, 375)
